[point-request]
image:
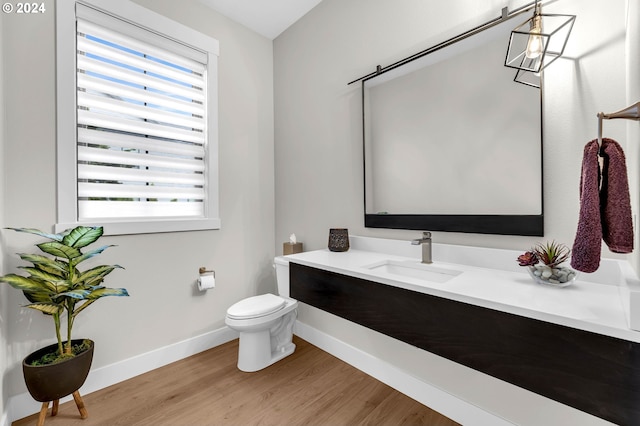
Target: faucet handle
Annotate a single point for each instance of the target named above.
(426, 237)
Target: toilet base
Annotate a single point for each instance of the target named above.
(255, 351)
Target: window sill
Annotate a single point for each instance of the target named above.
(148, 226)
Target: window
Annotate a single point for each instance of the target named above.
(137, 124)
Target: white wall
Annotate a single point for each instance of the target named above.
(319, 154)
(161, 269)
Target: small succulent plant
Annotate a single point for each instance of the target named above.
(543, 264)
(549, 253)
(552, 253)
(528, 259)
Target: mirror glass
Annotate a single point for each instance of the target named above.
(452, 143)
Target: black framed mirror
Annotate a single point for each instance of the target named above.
(452, 143)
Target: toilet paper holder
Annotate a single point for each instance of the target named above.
(206, 279)
(204, 270)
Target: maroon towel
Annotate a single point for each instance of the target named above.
(617, 224)
(585, 255)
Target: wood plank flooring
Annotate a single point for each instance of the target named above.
(310, 387)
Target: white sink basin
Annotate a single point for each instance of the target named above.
(412, 269)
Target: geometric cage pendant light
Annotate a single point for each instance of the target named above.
(538, 42)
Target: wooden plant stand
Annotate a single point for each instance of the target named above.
(54, 410)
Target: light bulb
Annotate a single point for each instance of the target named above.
(535, 45)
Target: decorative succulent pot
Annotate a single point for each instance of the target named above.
(556, 276)
(54, 381)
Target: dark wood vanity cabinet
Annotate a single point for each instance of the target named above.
(594, 373)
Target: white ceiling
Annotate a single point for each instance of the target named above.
(266, 17)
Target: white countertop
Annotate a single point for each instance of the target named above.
(592, 306)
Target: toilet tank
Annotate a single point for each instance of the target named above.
(282, 275)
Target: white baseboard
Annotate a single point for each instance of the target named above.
(435, 398)
(23, 405)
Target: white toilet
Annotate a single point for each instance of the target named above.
(265, 324)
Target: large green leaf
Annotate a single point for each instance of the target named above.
(54, 237)
(27, 284)
(75, 294)
(51, 283)
(47, 308)
(42, 275)
(82, 236)
(95, 275)
(61, 274)
(90, 254)
(44, 262)
(60, 250)
(106, 291)
(39, 297)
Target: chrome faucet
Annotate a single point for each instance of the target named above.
(425, 241)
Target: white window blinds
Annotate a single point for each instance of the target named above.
(141, 122)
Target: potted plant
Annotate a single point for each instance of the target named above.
(544, 263)
(55, 286)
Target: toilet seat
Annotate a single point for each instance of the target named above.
(256, 306)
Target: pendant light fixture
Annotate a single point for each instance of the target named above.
(536, 43)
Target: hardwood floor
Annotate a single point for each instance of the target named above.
(310, 387)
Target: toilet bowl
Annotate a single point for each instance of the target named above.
(265, 324)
